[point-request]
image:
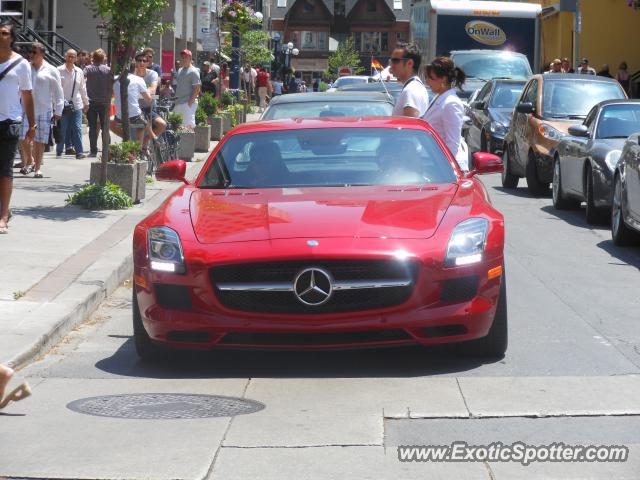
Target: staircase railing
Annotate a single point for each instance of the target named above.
(60, 43)
(26, 35)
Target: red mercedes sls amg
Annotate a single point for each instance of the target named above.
(323, 233)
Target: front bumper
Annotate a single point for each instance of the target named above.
(201, 321)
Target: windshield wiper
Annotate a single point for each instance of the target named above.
(615, 136)
(226, 180)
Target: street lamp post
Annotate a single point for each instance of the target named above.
(289, 50)
(274, 67)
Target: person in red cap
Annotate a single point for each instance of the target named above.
(187, 90)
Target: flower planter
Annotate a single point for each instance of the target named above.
(187, 145)
(203, 135)
(238, 113)
(216, 127)
(130, 177)
(226, 122)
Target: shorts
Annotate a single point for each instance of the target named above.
(150, 112)
(137, 121)
(9, 139)
(188, 113)
(43, 121)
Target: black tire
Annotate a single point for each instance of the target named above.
(621, 234)
(508, 179)
(145, 348)
(495, 344)
(595, 215)
(534, 185)
(560, 202)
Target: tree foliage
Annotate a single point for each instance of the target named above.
(254, 47)
(345, 56)
(130, 24)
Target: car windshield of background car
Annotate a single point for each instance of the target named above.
(505, 95)
(619, 121)
(328, 157)
(328, 109)
(486, 67)
(573, 99)
(341, 82)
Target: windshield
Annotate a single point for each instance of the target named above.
(328, 157)
(505, 95)
(500, 65)
(574, 98)
(619, 121)
(342, 81)
(364, 108)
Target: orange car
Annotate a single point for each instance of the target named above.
(548, 106)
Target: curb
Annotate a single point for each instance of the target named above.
(92, 287)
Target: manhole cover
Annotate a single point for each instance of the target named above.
(164, 406)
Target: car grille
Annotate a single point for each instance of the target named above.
(332, 338)
(365, 277)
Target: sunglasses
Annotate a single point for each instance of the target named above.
(398, 60)
(142, 60)
(33, 52)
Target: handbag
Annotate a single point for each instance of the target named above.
(55, 132)
(68, 104)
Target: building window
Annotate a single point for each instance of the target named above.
(282, 3)
(372, 42)
(308, 40)
(338, 7)
(397, 4)
(401, 37)
(322, 40)
(308, 7)
(371, 5)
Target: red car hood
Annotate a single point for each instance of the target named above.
(280, 213)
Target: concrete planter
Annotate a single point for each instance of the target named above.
(216, 127)
(239, 115)
(203, 135)
(226, 122)
(130, 177)
(186, 146)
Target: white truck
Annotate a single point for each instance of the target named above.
(439, 27)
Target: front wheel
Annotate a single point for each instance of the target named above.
(508, 179)
(594, 214)
(621, 234)
(495, 343)
(534, 185)
(560, 202)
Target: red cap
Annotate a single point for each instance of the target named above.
(186, 51)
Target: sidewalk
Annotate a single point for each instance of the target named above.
(59, 262)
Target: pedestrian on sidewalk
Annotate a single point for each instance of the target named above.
(15, 86)
(187, 90)
(566, 66)
(623, 77)
(149, 52)
(264, 89)
(136, 89)
(98, 78)
(405, 65)
(76, 102)
(19, 393)
(585, 69)
(48, 100)
(151, 80)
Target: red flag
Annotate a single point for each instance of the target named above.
(376, 64)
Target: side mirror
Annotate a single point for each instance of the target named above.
(172, 171)
(525, 107)
(484, 163)
(579, 131)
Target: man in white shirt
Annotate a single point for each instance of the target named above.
(405, 65)
(49, 101)
(150, 78)
(136, 89)
(187, 90)
(15, 96)
(76, 101)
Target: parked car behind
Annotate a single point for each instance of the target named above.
(394, 88)
(336, 104)
(625, 209)
(490, 115)
(548, 106)
(480, 66)
(348, 80)
(586, 159)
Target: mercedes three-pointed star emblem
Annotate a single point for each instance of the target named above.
(313, 286)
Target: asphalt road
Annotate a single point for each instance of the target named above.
(571, 374)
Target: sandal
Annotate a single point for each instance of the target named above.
(4, 230)
(27, 170)
(38, 175)
(19, 393)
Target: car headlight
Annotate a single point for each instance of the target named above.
(467, 242)
(612, 158)
(547, 131)
(497, 128)
(165, 250)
